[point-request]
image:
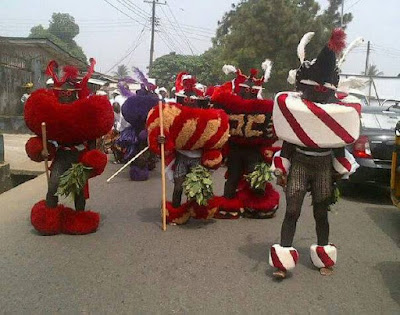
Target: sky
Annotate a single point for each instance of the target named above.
(118, 31)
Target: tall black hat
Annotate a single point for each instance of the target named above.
(322, 72)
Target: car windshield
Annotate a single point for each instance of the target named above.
(385, 120)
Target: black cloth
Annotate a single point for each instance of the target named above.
(314, 172)
(242, 159)
(61, 163)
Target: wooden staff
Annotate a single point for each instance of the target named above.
(45, 152)
(164, 199)
(128, 163)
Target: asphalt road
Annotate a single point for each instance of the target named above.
(130, 266)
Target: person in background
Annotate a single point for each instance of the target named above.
(27, 92)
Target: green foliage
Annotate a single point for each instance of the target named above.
(261, 175)
(373, 70)
(335, 195)
(252, 31)
(122, 71)
(73, 180)
(198, 185)
(62, 31)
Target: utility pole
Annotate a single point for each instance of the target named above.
(367, 60)
(153, 24)
(366, 70)
(341, 17)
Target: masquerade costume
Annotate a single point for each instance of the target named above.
(74, 120)
(315, 127)
(134, 138)
(251, 142)
(195, 135)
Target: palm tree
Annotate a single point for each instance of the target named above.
(122, 72)
(373, 71)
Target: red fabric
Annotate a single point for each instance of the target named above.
(83, 120)
(345, 162)
(200, 212)
(202, 116)
(268, 153)
(265, 203)
(175, 213)
(229, 205)
(34, 147)
(234, 104)
(80, 222)
(95, 159)
(298, 130)
(356, 106)
(327, 261)
(47, 221)
(330, 122)
(279, 164)
(210, 156)
(295, 255)
(276, 261)
(337, 42)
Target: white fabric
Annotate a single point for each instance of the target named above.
(119, 122)
(330, 250)
(285, 162)
(191, 153)
(341, 169)
(323, 136)
(284, 256)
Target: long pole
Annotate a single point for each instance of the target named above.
(367, 59)
(341, 16)
(164, 197)
(366, 71)
(127, 163)
(45, 151)
(153, 22)
(153, 26)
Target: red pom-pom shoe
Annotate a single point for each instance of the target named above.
(47, 221)
(79, 222)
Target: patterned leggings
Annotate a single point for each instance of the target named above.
(308, 172)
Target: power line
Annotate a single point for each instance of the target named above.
(124, 13)
(133, 10)
(138, 42)
(353, 4)
(177, 23)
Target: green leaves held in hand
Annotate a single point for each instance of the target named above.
(198, 185)
(335, 195)
(73, 180)
(260, 176)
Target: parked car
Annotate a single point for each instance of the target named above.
(373, 149)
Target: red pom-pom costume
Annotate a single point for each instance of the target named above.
(74, 120)
(193, 136)
(251, 142)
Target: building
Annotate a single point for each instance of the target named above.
(24, 60)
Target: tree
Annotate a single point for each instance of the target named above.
(122, 71)
(252, 31)
(166, 68)
(373, 71)
(62, 31)
(259, 29)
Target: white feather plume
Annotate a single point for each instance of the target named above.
(228, 69)
(267, 66)
(301, 48)
(355, 43)
(292, 76)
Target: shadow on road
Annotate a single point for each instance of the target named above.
(388, 221)
(391, 276)
(149, 215)
(365, 194)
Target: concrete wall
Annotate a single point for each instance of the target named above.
(20, 64)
